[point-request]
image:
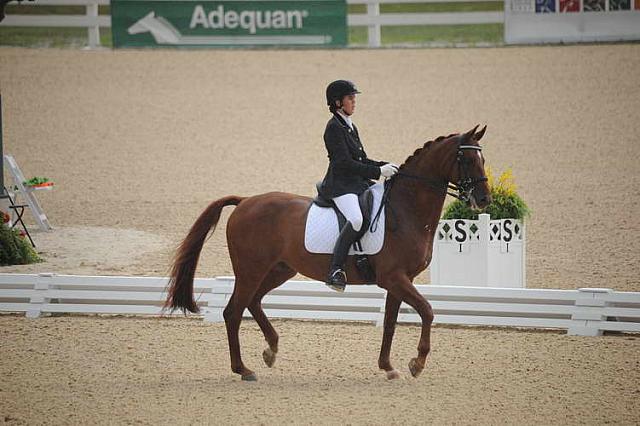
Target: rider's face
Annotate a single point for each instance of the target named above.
(349, 104)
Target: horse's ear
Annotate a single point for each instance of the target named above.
(480, 134)
(469, 135)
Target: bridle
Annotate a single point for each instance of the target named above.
(466, 183)
(464, 186)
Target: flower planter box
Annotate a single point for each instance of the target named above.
(41, 185)
(46, 185)
(482, 253)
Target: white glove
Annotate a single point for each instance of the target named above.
(388, 170)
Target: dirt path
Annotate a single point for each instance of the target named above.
(80, 370)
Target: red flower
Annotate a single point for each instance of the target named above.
(5, 217)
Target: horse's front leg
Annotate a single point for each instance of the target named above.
(403, 289)
(392, 306)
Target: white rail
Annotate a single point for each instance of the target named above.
(586, 312)
(372, 19)
(90, 20)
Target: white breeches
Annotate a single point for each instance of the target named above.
(350, 208)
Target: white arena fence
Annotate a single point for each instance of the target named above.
(373, 20)
(91, 20)
(587, 312)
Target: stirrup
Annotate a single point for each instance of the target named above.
(337, 280)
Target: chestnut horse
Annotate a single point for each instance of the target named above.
(265, 236)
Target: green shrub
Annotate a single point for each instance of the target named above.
(506, 202)
(15, 249)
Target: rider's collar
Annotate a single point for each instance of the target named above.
(345, 118)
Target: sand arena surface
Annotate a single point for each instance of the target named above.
(139, 142)
(75, 370)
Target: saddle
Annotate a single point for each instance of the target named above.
(366, 206)
(365, 200)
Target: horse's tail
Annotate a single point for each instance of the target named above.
(180, 289)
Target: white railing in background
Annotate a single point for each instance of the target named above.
(586, 312)
(373, 19)
(90, 20)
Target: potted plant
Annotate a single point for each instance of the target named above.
(14, 248)
(485, 248)
(506, 204)
(38, 182)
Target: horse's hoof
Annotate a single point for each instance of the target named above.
(414, 368)
(269, 357)
(393, 374)
(251, 377)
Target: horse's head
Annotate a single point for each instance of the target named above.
(467, 170)
(451, 162)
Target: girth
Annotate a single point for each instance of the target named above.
(365, 200)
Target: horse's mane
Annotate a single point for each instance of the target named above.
(424, 147)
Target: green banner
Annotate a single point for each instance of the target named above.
(150, 23)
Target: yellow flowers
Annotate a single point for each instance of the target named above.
(506, 184)
(489, 173)
(506, 203)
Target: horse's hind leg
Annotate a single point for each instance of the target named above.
(277, 276)
(244, 290)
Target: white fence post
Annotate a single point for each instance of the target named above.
(373, 11)
(483, 232)
(383, 309)
(524, 253)
(215, 308)
(589, 312)
(38, 298)
(94, 31)
(217, 302)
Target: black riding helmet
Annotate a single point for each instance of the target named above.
(337, 90)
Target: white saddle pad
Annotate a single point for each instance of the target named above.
(322, 230)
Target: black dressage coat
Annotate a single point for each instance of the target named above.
(350, 171)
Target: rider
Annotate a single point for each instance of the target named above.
(349, 173)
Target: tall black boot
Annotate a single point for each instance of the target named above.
(337, 278)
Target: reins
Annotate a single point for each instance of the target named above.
(385, 200)
(438, 186)
(464, 186)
